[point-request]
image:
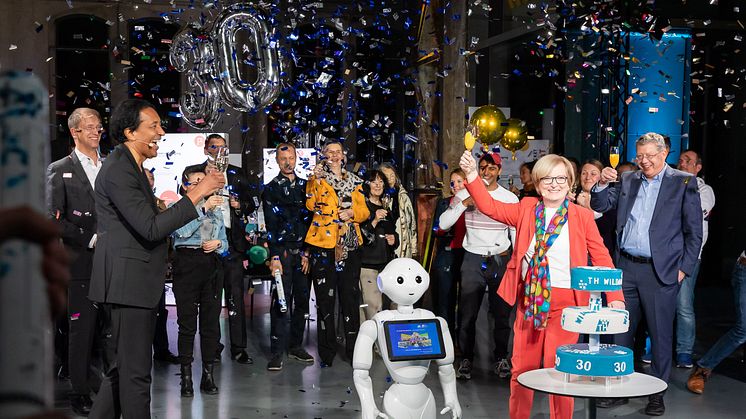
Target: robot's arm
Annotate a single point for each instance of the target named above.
(447, 374)
(362, 359)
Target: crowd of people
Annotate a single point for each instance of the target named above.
(334, 232)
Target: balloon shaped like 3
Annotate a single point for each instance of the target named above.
(237, 91)
(192, 51)
(516, 135)
(487, 124)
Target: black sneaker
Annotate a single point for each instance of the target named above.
(300, 354)
(464, 370)
(243, 358)
(655, 405)
(502, 368)
(275, 364)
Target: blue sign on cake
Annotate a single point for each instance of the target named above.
(595, 278)
(609, 361)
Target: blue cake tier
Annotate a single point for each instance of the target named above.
(609, 361)
(595, 278)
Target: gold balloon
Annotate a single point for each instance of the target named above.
(516, 135)
(487, 124)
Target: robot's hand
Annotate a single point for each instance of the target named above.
(454, 408)
(376, 414)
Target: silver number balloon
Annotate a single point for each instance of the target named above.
(214, 76)
(192, 52)
(239, 93)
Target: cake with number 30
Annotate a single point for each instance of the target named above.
(595, 359)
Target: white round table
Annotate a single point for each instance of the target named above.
(551, 381)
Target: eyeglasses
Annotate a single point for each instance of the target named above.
(641, 157)
(561, 180)
(98, 129)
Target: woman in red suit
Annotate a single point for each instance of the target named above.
(552, 236)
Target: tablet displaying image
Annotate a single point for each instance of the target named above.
(418, 339)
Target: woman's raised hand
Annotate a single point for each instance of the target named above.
(468, 165)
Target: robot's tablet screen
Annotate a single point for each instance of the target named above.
(414, 339)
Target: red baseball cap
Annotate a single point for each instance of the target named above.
(492, 157)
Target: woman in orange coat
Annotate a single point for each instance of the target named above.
(552, 236)
(335, 197)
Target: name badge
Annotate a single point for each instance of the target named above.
(67, 175)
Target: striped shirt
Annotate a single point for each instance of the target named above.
(485, 236)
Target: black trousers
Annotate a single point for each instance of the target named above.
(287, 328)
(645, 294)
(160, 339)
(234, 299)
(446, 276)
(125, 390)
(197, 283)
(83, 339)
(477, 273)
(328, 281)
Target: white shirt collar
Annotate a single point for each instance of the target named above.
(85, 159)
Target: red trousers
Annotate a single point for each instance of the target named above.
(534, 349)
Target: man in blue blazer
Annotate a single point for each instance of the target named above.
(129, 265)
(659, 234)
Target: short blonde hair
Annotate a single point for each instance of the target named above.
(76, 117)
(546, 164)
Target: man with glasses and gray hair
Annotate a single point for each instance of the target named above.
(659, 231)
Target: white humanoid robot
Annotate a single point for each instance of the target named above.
(408, 340)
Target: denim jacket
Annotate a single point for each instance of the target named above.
(191, 233)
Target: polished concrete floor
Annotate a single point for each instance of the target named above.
(309, 391)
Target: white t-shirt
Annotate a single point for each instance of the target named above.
(558, 254)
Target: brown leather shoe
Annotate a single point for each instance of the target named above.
(696, 382)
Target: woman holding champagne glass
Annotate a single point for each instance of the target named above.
(553, 235)
(198, 278)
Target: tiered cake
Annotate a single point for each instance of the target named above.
(594, 359)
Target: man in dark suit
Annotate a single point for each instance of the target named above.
(659, 232)
(70, 183)
(129, 265)
(235, 210)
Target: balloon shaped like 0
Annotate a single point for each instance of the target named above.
(236, 90)
(192, 51)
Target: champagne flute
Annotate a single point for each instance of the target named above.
(220, 163)
(614, 156)
(386, 202)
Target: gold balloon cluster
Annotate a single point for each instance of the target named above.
(488, 126)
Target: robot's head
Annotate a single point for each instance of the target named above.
(404, 281)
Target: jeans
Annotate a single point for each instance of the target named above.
(736, 336)
(686, 327)
(287, 328)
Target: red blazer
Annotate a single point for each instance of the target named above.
(584, 239)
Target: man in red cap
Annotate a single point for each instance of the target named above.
(487, 247)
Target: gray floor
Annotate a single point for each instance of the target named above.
(301, 391)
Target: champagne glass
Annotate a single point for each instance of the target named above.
(614, 156)
(220, 163)
(386, 202)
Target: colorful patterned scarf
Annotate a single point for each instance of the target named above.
(537, 286)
